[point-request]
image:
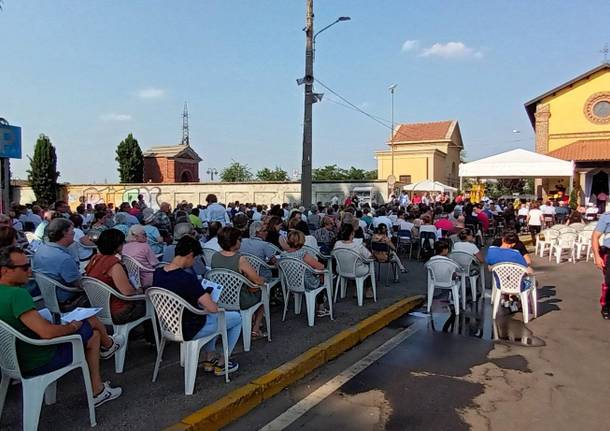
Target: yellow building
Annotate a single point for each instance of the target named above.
(572, 122)
(422, 151)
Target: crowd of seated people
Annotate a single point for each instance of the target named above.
(170, 244)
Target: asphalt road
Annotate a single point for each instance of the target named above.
(154, 406)
(450, 375)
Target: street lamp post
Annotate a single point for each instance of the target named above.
(310, 36)
(392, 88)
(211, 172)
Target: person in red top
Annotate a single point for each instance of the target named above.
(416, 199)
(482, 217)
(106, 266)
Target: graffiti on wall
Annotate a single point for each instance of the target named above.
(116, 194)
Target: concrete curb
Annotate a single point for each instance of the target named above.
(240, 401)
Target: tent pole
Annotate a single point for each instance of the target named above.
(462, 184)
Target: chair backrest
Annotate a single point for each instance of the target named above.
(509, 277)
(462, 258)
(551, 234)
(9, 363)
(590, 226)
(133, 270)
(310, 250)
(292, 273)
(232, 283)
(48, 291)
(577, 226)
(567, 239)
(441, 270)
(585, 235)
(207, 256)
(567, 229)
(557, 227)
(405, 234)
(255, 262)
(347, 260)
(275, 248)
(169, 308)
(99, 294)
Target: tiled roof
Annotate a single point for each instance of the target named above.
(415, 132)
(172, 151)
(584, 150)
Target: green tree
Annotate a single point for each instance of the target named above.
(43, 174)
(333, 172)
(236, 173)
(131, 162)
(277, 174)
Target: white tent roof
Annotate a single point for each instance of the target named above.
(517, 163)
(428, 186)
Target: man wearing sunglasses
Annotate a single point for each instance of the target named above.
(17, 309)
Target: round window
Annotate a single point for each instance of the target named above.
(597, 108)
(602, 109)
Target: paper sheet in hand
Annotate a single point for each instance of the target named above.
(217, 288)
(79, 313)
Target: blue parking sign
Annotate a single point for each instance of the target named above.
(10, 141)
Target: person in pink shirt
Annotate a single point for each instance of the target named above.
(445, 225)
(416, 199)
(138, 248)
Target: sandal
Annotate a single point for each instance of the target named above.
(322, 312)
(258, 335)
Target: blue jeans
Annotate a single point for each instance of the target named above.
(233, 319)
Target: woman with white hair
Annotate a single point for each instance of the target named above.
(137, 247)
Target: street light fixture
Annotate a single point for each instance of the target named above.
(310, 98)
(211, 172)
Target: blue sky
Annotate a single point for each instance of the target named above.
(87, 73)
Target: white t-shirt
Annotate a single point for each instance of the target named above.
(535, 217)
(523, 211)
(466, 246)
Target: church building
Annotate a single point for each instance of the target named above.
(422, 151)
(572, 122)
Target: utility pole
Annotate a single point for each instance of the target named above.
(306, 192)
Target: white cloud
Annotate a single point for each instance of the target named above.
(115, 117)
(151, 93)
(410, 45)
(450, 50)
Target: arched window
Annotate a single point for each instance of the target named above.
(186, 177)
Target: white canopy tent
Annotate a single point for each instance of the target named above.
(517, 163)
(429, 186)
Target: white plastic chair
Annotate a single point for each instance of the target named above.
(565, 241)
(48, 290)
(567, 229)
(207, 256)
(584, 242)
(577, 226)
(590, 226)
(544, 241)
(318, 254)
(232, 283)
(36, 387)
(170, 309)
(558, 226)
(465, 261)
(508, 278)
(135, 270)
(292, 276)
(441, 272)
(99, 295)
(257, 263)
(352, 266)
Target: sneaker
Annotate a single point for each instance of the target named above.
(606, 313)
(118, 341)
(220, 370)
(208, 366)
(108, 394)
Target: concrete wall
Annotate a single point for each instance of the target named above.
(154, 194)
